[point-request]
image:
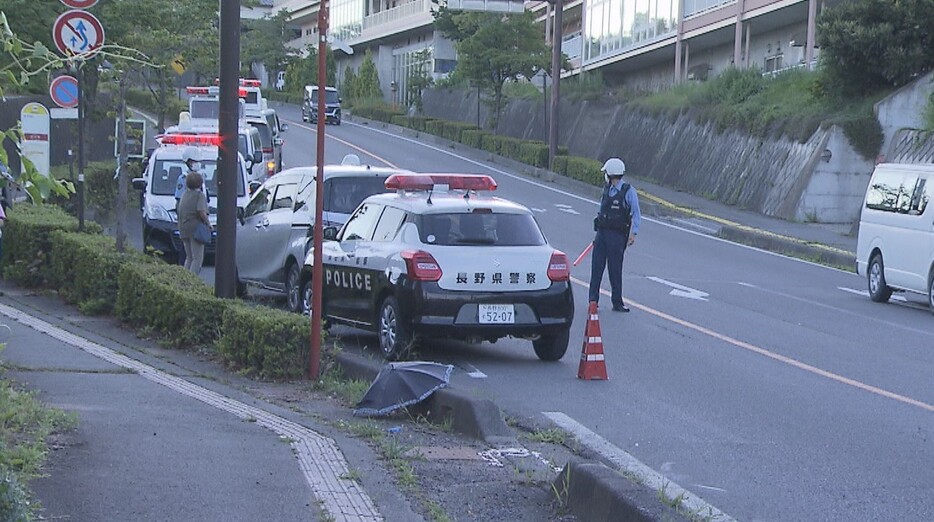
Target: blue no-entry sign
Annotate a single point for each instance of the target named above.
(64, 91)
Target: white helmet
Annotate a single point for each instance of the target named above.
(613, 167)
(191, 154)
(351, 159)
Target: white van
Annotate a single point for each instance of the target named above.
(895, 249)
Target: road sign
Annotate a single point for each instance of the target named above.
(63, 114)
(178, 65)
(78, 33)
(64, 91)
(79, 4)
(34, 118)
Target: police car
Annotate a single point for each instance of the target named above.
(437, 258)
(158, 184)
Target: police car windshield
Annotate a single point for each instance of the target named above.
(344, 195)
(166, 172)
(480, 229)
(208, 109)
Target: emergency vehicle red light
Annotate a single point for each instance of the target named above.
(421, 266)
(198, 90)
(251, 83)
(429, 181)
(191, 139)
(559, 269)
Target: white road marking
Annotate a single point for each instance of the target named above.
(319, 458)
(567, 208)
(537, 209)
(473, 372)
(711, 488)
(747, 285)
(681, 290)
(865, 293)
(633, 466)
(692, 224)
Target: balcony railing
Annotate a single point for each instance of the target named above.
(495, 6)
(396, 13)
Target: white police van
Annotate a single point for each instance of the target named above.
(160, 222)
(895, 247)
(438, 259)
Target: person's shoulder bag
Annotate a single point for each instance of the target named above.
(202, 234)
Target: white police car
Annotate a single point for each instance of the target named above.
(158, 184)
(437, 259)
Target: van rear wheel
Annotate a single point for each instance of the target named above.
(875, 276)
(931, 290)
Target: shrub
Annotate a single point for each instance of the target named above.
(453, 130)
(400, 120)
(284, 97)
(435, 127)
(27, 241)
(561, 164)
(419, 123)
(865, 134)
(508, 146)
(274, 344)
(584, 169)
(534, 153)
(489, 143)
(14, 500)
(172, 302)
(473, 138)
(85, 269)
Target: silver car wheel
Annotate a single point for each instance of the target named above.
(387, 329)
(293, 288)
(875, 277)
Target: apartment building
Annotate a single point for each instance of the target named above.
(644, 44)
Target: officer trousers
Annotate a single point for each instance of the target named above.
(609, 246)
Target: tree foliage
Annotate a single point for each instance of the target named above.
(302, 71)
(366, 84)
(493, 48)
(263, 41)
(419, 79)
(871, 44)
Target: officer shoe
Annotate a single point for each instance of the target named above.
(621, 308)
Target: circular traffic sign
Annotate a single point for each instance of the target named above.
(79, 4)
(78, 33)
(64, 91)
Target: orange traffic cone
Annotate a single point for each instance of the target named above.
(592, 366)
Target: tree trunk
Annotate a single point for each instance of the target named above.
(120, 203)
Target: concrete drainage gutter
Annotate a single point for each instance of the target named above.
(592, 491)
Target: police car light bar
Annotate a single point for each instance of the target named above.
(213, 91)
(191, 139)
(243, 82)
(429, 181)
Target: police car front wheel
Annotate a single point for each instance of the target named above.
(551, 347)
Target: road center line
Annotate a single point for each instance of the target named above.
(772, 355)
(321, 462)
(633, 466)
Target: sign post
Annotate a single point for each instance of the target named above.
(34, 118)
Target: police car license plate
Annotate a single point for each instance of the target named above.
(497, 314)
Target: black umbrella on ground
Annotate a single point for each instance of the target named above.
(401, 384)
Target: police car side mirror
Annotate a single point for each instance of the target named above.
(139, 183)
(240, 215)
(330, 233)
(254, 186)
(283, 127)
(279, 142)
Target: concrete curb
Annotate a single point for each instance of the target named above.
(595, 492)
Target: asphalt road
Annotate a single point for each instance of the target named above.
(761, 383)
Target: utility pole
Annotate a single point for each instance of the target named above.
(225, 272)
(558, 34)
(79, 66)
(314, 358)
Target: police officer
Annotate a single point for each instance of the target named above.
(616, 226)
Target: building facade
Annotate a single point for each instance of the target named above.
(643, 44)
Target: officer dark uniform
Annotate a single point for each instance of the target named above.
(616, 226)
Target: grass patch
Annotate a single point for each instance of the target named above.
(549, 436)
(347, 391)
(25, 426)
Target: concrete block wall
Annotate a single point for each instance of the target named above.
(837, 184)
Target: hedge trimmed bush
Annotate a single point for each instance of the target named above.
(273, 344)
(453, 130)
(27, 241)
(400, 120)
(561, 165)
(509, 147)
(85, 268)
(172, 302)
(419, 123)
(585, 169)
(435, 127)
(473, 138)
(534, 153)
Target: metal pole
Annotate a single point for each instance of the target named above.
(314, 359)
(80, 78)
(225, 271)
(555, 82)
(478, 105)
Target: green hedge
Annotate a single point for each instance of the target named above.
(454, 130)
(534, 153)
(171, 302)
(473, 138)
(27, 241)
(377, 113)
(272, 343)
(584, 169)
(435, 127)
(86, 267)
(285, 97)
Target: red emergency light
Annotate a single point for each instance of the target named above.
(198, 90)
(191, 139)
(243, 82)
(430, 181)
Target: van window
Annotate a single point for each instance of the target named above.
(896, 192)
(265, 135)
(345, 194)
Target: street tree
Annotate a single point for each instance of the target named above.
(419, 79)
(263, 41)
(872, 44)
(303, 70)
(493, 49)
(366, 84)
